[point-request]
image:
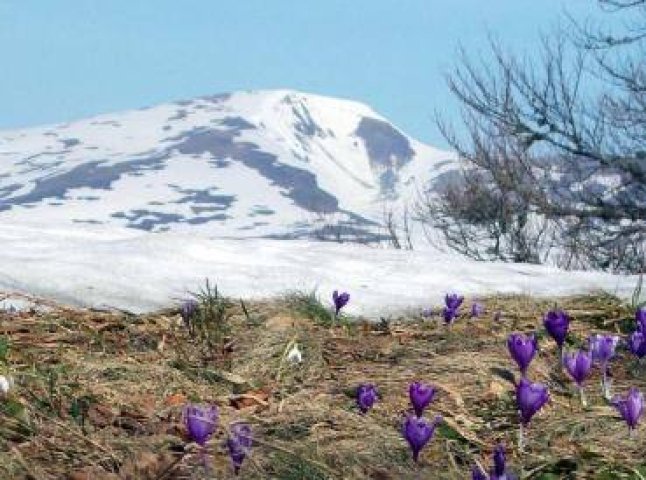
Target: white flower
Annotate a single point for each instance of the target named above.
(6, 383)
(295, 354)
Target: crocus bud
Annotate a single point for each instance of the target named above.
(578, 365)
(366, 397)
(239, 444)
(201, 421)
(557, 323)
(630, 407)
(340, 300)
(453, 301)
(499, 461)
(637, 343)
(640, 318)
(418, 432)
(530, 398)
(420, 396)
(478, 474)
(603, 347)
(477, 309)
(522, 349)
(187, 311)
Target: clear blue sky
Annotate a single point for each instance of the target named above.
(67, 59)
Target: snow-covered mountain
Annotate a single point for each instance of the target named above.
(279, 164)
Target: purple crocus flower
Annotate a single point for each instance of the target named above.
(427, 312)
(418, 432)
(522, 349)
(453, 301)
(477, 309)
(530, 398)
(340, 301)
(201, 421)
(578, 365)
(557, 323)
(366, 397)
(239, 444)
(499, 461)
(499, 471)
(187, 310)
(637, 343)
(640, 318)
(630, 407)
(449, 314)
(420, 396)
(603, 347)
(478, 474)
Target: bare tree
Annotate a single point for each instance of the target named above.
(556, 149)
(398, 226)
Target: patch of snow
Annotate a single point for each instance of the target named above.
(144, 272)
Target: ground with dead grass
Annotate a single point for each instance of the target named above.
(98, 395)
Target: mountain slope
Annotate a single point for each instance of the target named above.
(248, 164)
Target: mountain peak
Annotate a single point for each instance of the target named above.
(277, 163)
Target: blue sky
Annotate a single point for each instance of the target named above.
(67, 59)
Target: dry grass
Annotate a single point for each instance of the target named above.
(99, 396)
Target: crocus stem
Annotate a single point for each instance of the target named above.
(559, 352)
(584, 401)
(521, 438)
(605, 386)
(631, 433)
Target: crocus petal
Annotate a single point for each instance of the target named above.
(637, 343)
(453, 301)
(631, 407)
(340, 300)
(366, 397)
(522, 349)
(476, 310)
(640, 318)
(530, 398)
(420, 396)
(603, 347)
(578, 365)
(557, 323)
(201, 422)
(418, 432)
(499, 460)
(239, 444)
(449, 315)
(478, 474)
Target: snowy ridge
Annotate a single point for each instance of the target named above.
(247, 164)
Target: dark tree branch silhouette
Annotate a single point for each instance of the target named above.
(555, 154)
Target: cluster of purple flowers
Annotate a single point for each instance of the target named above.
(452, 304)
(416, 429)
(601, 349)
(201, 423)
(451, 310)
(530, 397)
